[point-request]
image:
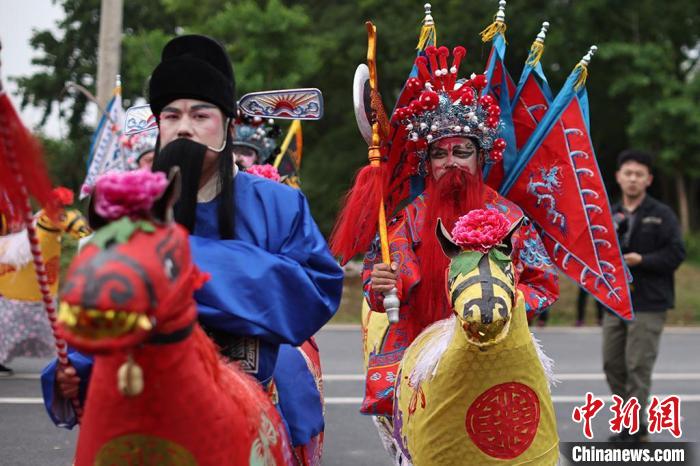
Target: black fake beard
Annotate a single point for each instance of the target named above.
(188, 155)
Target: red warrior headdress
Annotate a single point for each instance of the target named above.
(439, 106)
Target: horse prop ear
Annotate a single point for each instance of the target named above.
(506, 245)
(162, 209)
(95, 220)
(449, 248)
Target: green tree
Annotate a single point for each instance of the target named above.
(71, 56)
(642, 85)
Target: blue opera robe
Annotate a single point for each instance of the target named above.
(276, 281)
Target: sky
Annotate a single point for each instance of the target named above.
(18, 18)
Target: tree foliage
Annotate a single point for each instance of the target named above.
(643, 84)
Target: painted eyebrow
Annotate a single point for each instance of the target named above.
(202, 107)
(194, 107)
(171, 110)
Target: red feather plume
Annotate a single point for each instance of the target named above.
(357, 221)
(16, 141)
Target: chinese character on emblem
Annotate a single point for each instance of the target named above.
(626, 415)
(665, 415)
(587, 412)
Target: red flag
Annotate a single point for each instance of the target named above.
(561, 190)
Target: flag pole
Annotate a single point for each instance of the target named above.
(391, 301)
(293, 129)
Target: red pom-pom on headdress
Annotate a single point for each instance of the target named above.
(64, 195)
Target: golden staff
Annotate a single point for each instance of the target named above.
(391, 301)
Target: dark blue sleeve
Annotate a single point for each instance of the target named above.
(300, 401)
(60, 409)
(283, 296)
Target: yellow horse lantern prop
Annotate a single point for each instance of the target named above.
(17, 275)
(472, 389)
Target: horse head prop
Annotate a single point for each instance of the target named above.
(128, 278)
(70, 221)
(471, 388)
(481, 286)
(128, 299)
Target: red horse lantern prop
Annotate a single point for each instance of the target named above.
(159, 392)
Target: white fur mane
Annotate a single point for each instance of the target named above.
(547, 363)
(14, 249)
(428, 360)
(442, 331)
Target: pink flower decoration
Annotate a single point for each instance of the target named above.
(480, 230)
(128, 193)
(264, 171)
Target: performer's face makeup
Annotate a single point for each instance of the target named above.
(634, 178)
(197, 120)
(453, 152)
(245, 156)
(192, 119)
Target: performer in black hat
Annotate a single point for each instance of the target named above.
(273, 279)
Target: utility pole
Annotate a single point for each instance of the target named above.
(108, 49)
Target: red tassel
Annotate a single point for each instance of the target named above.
(16, 139)
(356, 226)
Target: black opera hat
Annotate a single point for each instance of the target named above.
(193, 67)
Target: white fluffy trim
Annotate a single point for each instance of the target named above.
(14, 249)
(426, 367)
(547, 363)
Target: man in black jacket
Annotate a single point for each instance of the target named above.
(652, 247)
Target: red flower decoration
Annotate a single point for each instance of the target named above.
(400, 114)
(496, 156)
(429, 100)
(486, 101)
(479, 81)
(128, 194)
(64, 195)
(494, 111)
(480, 230)
(415, 107)
(468, 96)
(499, 144)
(264, 171)
(492, 121)
(414, 85)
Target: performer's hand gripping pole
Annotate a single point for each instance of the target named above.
(391, 301)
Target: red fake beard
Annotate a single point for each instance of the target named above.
(457, 192)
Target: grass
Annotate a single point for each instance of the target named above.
(686, 312)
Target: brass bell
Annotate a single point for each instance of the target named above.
(130, 378)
